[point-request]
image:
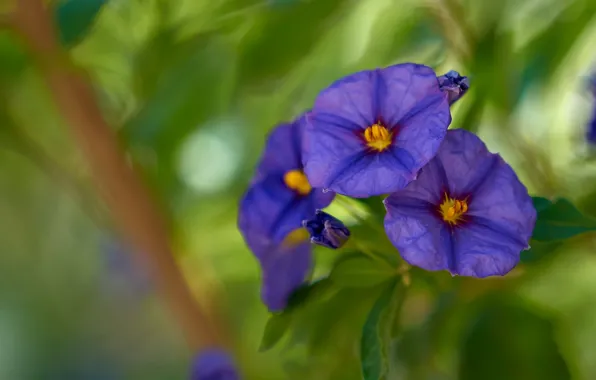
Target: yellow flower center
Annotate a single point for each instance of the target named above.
(377, 137)
(453, 210)
(295, 237)
(297, 181)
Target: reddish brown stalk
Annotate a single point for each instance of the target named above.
(129, 201)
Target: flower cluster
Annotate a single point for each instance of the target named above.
(451, 204)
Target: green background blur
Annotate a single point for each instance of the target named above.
(192, 87)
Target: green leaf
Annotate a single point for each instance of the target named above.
(360, 272)
(376, 332)
(509, 340)
(283, 36)
(75, 18)
(539, 250)
(13, 57)
(309, 291)
(183, 83)
(546, 52)
(275, 329)
(559, 220)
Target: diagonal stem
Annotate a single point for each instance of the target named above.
(130, 202)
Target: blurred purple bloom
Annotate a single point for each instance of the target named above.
(124, 276)
(214, 364)
(285, 266)
(326, 230)
(591, 132)
(454, 85)
(370, 133)
(467, 212)
(280, 196)
(272, 210)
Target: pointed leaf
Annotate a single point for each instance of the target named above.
(539, 250)
(559, 220)
(509, 340)
(275, 329)
(377, 332)
(75, 18)
(361, 272)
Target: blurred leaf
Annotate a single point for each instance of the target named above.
(361, 272)
(494, 68)
(559, 220)
(312, 290)
(541, 203)
(276, 327)
(284, 35)
(13, 58)
(184, 84)
(545, 53)
(510, 341)
(376, 333)
(75, 18)
(539, 250)
(471, 120)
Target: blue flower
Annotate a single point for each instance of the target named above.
(371, 132)
(467, 212)
(326, 230)
(591, 131)
(285, 266)
(280, 196)
(214, 364)
(454, 85)
(271, 214)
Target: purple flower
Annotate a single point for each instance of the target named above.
(467, 212)
(285, 267)
(214, 364)
(326, 230)
(280, 196)
(271, 214)
(371, 132)
(454, 85)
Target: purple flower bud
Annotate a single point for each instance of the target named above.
(326, 230)
(214, 364)
(454, 85)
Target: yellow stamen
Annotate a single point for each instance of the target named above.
(453, 210)
(377, 137)
(297, 181)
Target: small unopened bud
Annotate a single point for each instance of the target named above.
(453, 85)
(326, 230)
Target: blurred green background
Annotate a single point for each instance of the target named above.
(192, 87)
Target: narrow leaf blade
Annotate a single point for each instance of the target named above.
(361, 272)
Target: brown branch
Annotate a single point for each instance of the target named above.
(124, 193)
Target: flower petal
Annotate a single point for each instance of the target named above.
(364, 175)
(481, 251)
(429, 185)
(271, 210)
(403, 88)
(285, 268)
(352, 97)
(283, 150)
(503, 201)
(421, 238)
(421, 132)
(466, 160)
